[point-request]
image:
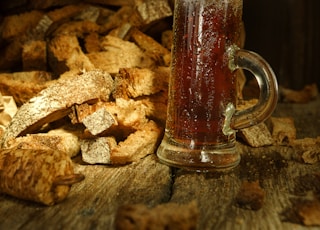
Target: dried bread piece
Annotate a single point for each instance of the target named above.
(116, 19)
(136, 82)
(156, 106)
(138, 144)
(22, 86)
(118, 119)
(309, 212)
(56, 101)
(307, 149)
(112, 2)
(77, 28)
(99, 121)
(64, 53)
(245, 104)
(8, 109)
(250, 196)
(150, 46)
(305, 211)
(139, 14)
(11, 54)
(92, 43)
(308, 93)
(98, 150)
(66, 12)
(127, 113)
(283, 130)
(16, 30)
(164, 216)
(167, 39)
(81, 111)
(2, 130)
(43, 176)
(14, 26)
(58, 140)
(45, 4)
(257, 135)
(241, 81)
(118, 54)
(34, 56)
(90, 13)
(151, 11)
(121, 31)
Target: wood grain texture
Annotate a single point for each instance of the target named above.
(92, 204)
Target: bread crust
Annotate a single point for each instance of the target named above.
(55, 102)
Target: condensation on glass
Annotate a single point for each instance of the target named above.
(202, 118)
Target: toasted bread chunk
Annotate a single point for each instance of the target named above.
(8, 109)
(283, 130)
(99, 121)
(156, 106)
(308, 93)
(62, 141)
(92, 43)
(22, 86)
(118, 54)
(63, 13)
(151, 11)
(56, 101)
(127, 113)
(307, 149)
(64, 53)
(138, 144)
(34, 56)
(97, 150)
(257, 135)
(151, 47)
(136, 82)
(116, 19)
(16, 25)
(77, 28)
(43, 176)
(167, 39)
(105, 150)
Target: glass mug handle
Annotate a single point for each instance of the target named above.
(254, 63)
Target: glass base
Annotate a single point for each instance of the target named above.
(205, 158)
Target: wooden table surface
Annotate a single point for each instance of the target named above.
(92, 204)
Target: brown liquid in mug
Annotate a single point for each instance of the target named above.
(202, 82)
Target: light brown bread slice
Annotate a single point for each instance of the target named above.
(65, 53)
(117, 53)
(57, 140)
(43, 176)
(137, 145)
(56, 101)
(97, 150)
(257, 135)
(24, 85)
(136, 82)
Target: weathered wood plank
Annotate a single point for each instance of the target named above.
(92, 203)
(306, 117)
(216, 192)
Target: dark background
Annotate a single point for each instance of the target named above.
(287, 34)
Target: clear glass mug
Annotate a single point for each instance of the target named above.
(202, 118)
